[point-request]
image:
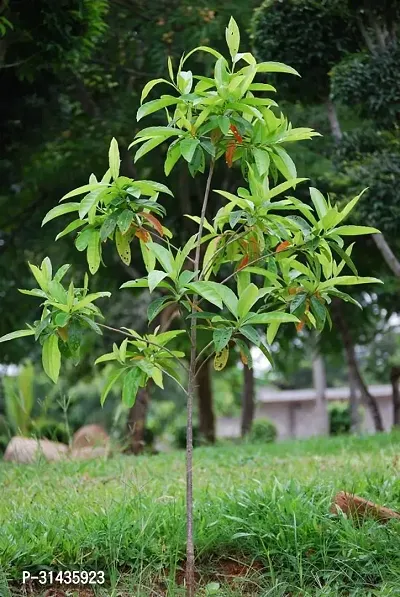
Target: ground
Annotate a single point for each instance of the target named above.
(263, 526)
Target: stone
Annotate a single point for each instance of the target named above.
(90, 436)
(27, 451)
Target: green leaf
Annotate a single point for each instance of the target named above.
(229, 298)
(112, 378)
(93, 251)
(354, 230)
(148, 146)
(157, 377)
(110, 356)
(284, 163)
(34, 292)
(173, 155)
(221, 337)
(274, 316)
(61, 272)
(123, 247)
(114, 159)
(155, 277)
(51, 357)
(108, 226)
(272, 330)
(85, 189)
(262, 160)
(149, 259)
(284, 186)
(89, 298)
(125, 220)
(70, 228)
(149, 86)
(319, 202)
(232, 35)
(163, 255)
(39, 276)
(157, 306)
(17, 334)
(88, 203)
(251, 334)
(319, 312)
(155, 105)
(247, 300)
(60, 210)
(188, 146)
(208, 291)
(348, 281)
(61, 319)
(276, 67)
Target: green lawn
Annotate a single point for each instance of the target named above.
(268, 504)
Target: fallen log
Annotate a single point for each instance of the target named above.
(358, 507)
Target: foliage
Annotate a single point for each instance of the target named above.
(304, 33)
(49, 36)
(19, 399)
(339, 418)
(373, 158)
(263, 431)
(180, 437)
(371, 83)
(219, 118)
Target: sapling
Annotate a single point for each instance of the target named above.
(284, 257)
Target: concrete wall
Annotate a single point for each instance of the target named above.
(300, 418)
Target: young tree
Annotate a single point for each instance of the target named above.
(285, 258)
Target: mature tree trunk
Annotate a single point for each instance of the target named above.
(248, 400)
(137, 421)
(354, 370)
(387, 254)
(354, 404)
(394, 380)
(205, 400)
(319, 380)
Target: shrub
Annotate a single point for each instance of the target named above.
(263, 431)
(339, 418)
(180, 437)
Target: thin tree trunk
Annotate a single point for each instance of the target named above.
(394, 380)
(247, 400)
(190, 580)
(137, 421)
(348, 344)
(355, 422)
(205, 400)
(387, 254)
(334, 121)
(319, 380)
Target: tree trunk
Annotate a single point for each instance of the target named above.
(394, 380)
(205, 399)
(247, 400)
(387, 254)
(354, 370)
(137, 421)
(334, 121)
(354, 404)
(319, 380)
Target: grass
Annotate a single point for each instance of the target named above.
(262, 504)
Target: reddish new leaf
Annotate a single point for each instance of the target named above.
(230, 152)
(282, 246)
(153, 220)
(236, 133)
(143, 234)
